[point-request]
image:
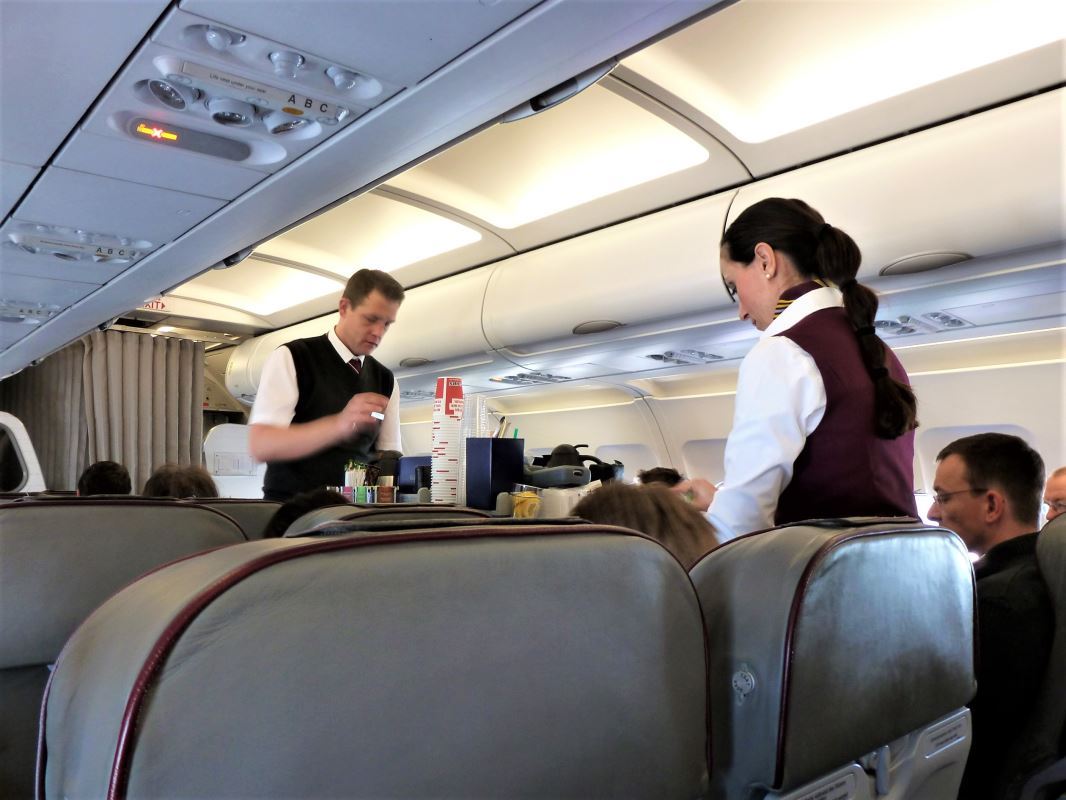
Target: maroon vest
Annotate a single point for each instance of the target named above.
(845, 469)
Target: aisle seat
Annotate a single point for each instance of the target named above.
(841, 660)
(59, 560)
(488, 661)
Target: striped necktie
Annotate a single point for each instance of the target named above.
(355, 365)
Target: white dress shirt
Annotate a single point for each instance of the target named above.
(275, 402)
(780, 401)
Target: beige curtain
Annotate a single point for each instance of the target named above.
(125, 397)
(48, 400)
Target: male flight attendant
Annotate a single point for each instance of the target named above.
(324, 401)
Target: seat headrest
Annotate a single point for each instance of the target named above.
(487, 662)
(861, 632)
(60, 559)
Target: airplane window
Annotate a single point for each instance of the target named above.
(12, 470)
(704, 458)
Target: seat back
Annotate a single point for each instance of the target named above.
(59, 560)
(1044, 742)
(829, 640)
(525, 661)
(311, 522)
(251, 515)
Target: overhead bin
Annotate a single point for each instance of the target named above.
(647, 271)
(982, 185)
(245, 366)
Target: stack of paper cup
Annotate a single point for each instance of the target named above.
(446, 453)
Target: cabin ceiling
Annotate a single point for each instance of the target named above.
(770, 97)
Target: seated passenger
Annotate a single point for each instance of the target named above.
(173, 480)
(987, 489)
(291, 511)
(1055, 494)
(655, 511)
(664, 475)
(104, 477)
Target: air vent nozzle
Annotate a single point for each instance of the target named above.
(415, 361)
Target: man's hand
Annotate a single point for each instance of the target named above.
(355, 417)
(284, 443)
(698, 491)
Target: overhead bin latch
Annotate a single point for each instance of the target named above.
(559, 93)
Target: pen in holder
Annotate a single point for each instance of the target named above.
(492, 466)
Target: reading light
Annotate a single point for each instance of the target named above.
(361, 86)
(278, 122)
(233, 113)
(286, 63)
(173, 95)
(222, 39)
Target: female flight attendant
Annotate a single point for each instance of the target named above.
(825, 418)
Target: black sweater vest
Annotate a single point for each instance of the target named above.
(326, 384)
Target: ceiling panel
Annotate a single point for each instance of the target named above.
(106, 205)
(28, 289)
(148, 163)
(73, 57)
(14, 178)
(785, 82)
(604, 155)
(402, 42)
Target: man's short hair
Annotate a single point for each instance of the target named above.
(363, 282)
(104, 477)
(174, 480)
(1005, 462)
(664, 475)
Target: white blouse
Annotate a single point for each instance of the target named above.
(780, 401)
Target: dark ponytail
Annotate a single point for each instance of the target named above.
(819, 250)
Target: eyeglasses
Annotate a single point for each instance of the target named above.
(940, 497)
(1058, 506)
(729, 289)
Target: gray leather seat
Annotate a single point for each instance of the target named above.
(524, 661)
(834, 647)
(59, 560)
(1043, 749)
(251, 515)
(313, 521)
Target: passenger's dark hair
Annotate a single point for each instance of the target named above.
(173, 480)
(664, 475)
(104, 477)
(300, 504)
(653, 510)
(1005, 462)
(365, 281)
(821, 251)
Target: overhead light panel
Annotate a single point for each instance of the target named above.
(372, 231)
(763, 69)
(511, 175)
(25, 312)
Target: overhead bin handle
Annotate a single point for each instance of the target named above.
(559, 93)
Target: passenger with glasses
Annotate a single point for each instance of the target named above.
(1055, 494)
(987, 489)
(825, 416)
